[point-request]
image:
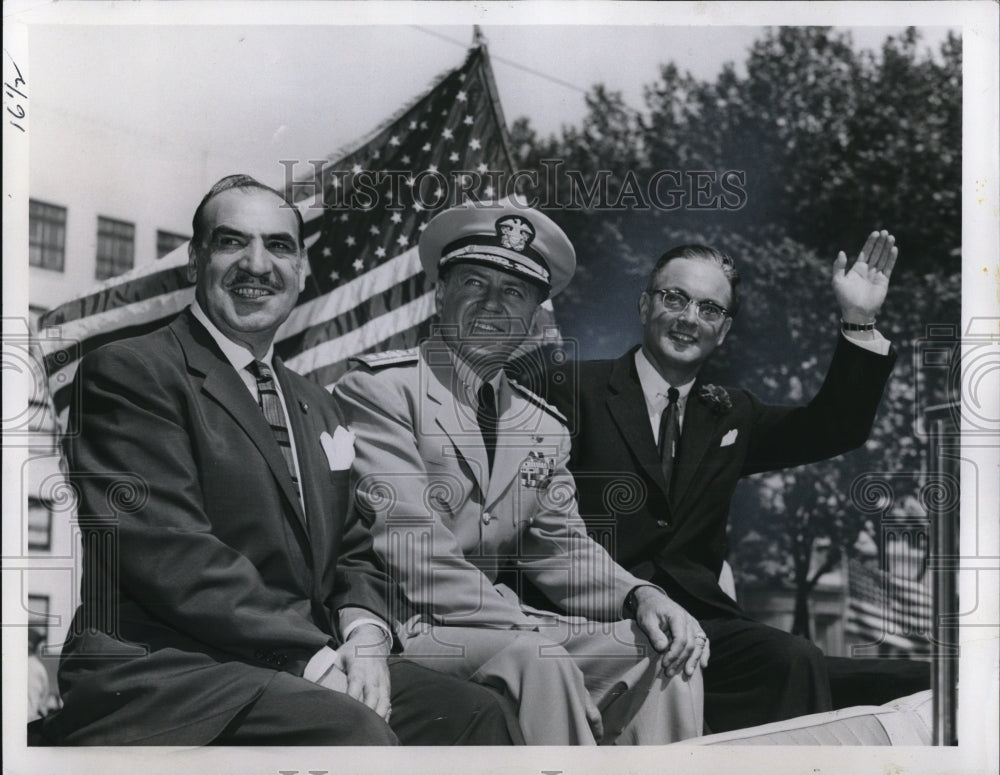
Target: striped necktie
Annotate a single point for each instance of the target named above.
(274, 413)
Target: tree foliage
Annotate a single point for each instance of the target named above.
(829, 143)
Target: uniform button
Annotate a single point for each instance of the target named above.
(281, 660)
(487, 517)
(662, 523)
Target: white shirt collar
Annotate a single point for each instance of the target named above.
(238, 355)
(470, 380)
(653, 384)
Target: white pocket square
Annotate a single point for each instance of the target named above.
(339, 448)
(729, 438)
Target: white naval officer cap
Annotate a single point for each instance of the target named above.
(507, 235)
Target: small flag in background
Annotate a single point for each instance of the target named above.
(364, 213)
(888, 609)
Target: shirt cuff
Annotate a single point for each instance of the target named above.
(630, 605)
(878, 344)
(347, 629)
(321, 663)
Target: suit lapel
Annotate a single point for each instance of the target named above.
(456, 418)
(311, 474)
(511, 442)
(697, 434)
(627, 406)
(223, 384)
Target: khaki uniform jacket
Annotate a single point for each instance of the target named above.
(447, 526)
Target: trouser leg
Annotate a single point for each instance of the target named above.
(541, 681)
(758, 674)
(431, 708)
(639, 704)
(293, 711)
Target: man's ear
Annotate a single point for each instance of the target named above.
(192, 264)
(439, 294)
(726, 325)
(643, 307)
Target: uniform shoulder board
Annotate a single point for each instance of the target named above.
(387, 358)
(538, 401)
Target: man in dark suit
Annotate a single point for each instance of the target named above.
(231, 595)
(645, 426)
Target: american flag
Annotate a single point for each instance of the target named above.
(364, 212)
(889, 609)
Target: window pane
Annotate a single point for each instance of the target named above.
(166, 242)
(115, 247)
(46, 235)
(39, 525)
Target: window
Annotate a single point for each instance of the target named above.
(47, 235)
(115, 247)
(166, 241)
(39, 525)
(38, 612)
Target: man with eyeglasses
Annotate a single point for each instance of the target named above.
(645, 425)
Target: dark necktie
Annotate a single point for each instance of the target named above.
(670, 433)
(486, 416)
(274, 413)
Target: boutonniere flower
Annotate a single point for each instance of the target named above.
(715, 398)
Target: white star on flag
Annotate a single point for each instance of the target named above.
(402, 240)
(426, 147)
(380, 252)
(447, 134)
(468, 121)
(481, 168)
(394, 141)
(461, 96)
(355, 169)
(351, 242)
(358, 264)
(396, 218)
(474, 144)
(453, 157)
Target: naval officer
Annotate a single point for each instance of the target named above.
(464, 475)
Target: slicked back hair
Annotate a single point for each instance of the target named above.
(244, 183)
(704, 253)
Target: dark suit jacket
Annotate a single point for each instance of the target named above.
(621, 489)
(201, 575)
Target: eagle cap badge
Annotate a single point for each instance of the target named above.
(515, 232)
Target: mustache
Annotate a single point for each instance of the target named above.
(243, 278)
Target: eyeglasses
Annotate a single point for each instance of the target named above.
(675, 300)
